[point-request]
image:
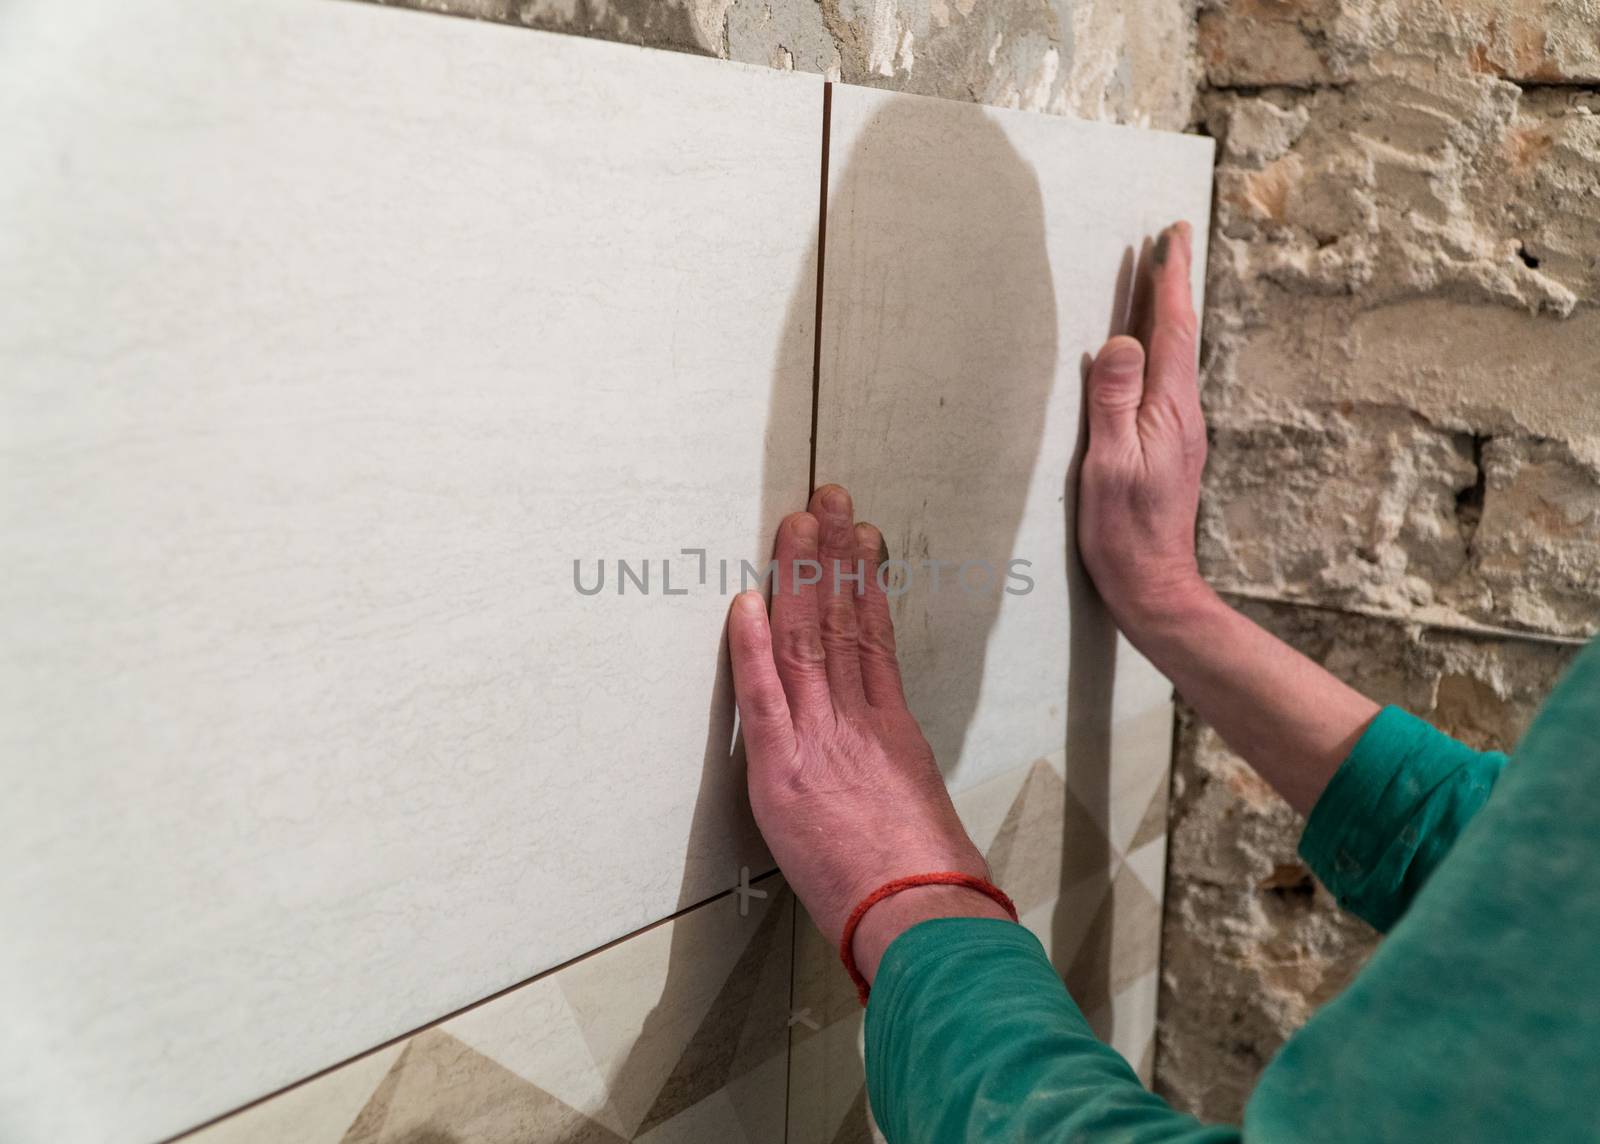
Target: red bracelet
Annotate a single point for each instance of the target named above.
(939, 878)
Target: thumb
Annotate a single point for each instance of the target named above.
(1115, 389)
(763, 707)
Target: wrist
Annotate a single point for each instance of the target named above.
(897, 913)
(1174, 612)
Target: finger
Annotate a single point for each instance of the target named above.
(763, 707)
(1174, 328)
(1116, 390)
(841, 578)
(880, 670)
(796, 634)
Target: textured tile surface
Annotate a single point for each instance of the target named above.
(974, 258)
(335, 336)
(676, 1035)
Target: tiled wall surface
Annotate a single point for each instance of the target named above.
(674, 1036)
(708, 1027)
(320, 379)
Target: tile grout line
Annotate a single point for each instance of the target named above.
(811, 484)
(454, 1013)
(788, 1034)
(822, 255)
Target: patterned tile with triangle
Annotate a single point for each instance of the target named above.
(676, 1035)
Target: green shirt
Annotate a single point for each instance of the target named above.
(1478, 1019)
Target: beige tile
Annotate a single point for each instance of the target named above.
(748, 1110)
(746, 1026)
(316, 1113)
(339, 334)
(822, 989)
(676, 1034)
(1153, 822)
(760, 1100)
(971, 266)
(535, 1033)
(1062, 923)
(1121, 944)
(1117, 788)
(1128, 1023)
(1048, 841)
(827, 1084)
(442, 1088)
(1146, 1068)
(1149, 864)
(985, 805)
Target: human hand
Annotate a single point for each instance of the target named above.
(843, 784)
(1139, 488)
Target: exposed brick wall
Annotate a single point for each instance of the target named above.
(1402, 380)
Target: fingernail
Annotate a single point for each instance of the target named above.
(805, 528)
(871, 534)
(751, 603)
(836, 501)
(1124, 357)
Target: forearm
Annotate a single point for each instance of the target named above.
(971, 1037)
(1288, 717)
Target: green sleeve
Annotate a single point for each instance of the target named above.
(1477, 1020)
(1391, 813)
(972, 1038)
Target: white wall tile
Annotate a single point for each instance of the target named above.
(332, 336)
(974, 258)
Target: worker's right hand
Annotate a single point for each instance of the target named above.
(842, 782)
(1139, 489)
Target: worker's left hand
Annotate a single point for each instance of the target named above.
(842, 782)
(1139, 490)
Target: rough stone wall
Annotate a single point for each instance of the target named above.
(1402, 377)
(1252, 944)
(1128, 61)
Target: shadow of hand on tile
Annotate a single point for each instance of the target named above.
(939, 348)
(1082, 924)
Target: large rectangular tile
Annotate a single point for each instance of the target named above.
(974, 258)
(334, 336)
(676, 1035)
